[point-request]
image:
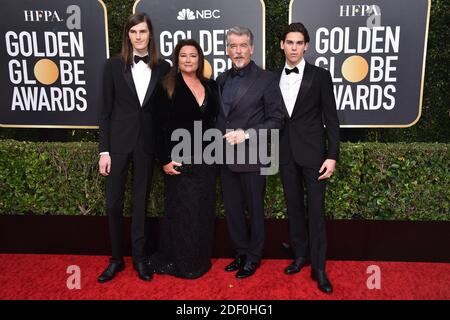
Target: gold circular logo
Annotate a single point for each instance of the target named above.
(46, 71)
(207, 69)
(355, 69)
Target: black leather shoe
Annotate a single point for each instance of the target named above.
(111, 271)
(323, 283)
(247, 270)
(144, 270)
(297, 265)
(236, 264)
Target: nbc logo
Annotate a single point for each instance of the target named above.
(186, 14)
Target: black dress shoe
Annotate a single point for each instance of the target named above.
(236, 264)
(323, 283)
(111, 271)
(247, 270)
(144, 270)
(297, 265)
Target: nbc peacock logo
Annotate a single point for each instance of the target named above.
(186, 14)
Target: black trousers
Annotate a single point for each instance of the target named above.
(307, 227)
(241, 191)
(142, 168)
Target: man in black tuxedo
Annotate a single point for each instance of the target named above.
(309, 148)
(126, 137)
(250, 99)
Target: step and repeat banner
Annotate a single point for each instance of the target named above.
(375, 51)
(51, 60)
(52, 53)
(206, 21)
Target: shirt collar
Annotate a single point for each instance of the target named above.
(245, 70)
(300, 66)
(140, 55)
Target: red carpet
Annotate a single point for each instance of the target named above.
(26, 276)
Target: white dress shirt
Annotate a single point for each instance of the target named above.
(290, 85)
(141, 77)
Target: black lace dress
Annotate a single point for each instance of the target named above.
(187, 230)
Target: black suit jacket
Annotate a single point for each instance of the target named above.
(123, 122)
(257, 105)
(311, 133)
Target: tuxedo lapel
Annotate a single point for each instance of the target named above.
(304, 87)
(245, 84)
(151, 86)
(129, 80)
(221, 82)
(279, 73)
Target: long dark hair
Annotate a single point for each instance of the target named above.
(169, 80)
(127, 47)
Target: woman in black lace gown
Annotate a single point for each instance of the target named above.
(186, 235)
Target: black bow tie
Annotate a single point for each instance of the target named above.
(235, 73)
(288, 71)
(146, 59)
